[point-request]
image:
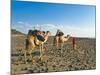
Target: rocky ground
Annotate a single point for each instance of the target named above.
(53, 59)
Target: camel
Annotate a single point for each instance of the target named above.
(60, 39)
(35, 38)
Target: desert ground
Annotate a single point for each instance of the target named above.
(53, 59)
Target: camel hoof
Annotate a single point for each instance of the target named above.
(33, 61)
(26, 62)
(59, 48)
(40, 58)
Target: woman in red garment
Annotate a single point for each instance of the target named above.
(74, 39)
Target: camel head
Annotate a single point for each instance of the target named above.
(68, 36)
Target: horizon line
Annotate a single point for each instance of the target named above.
(54, 35)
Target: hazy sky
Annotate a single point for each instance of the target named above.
(77, 20)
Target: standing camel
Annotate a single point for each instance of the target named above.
(40, 39)
(34, 39)
(60, 39)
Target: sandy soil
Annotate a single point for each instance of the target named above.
(53, 60)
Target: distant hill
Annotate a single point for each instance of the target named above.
(14, 31)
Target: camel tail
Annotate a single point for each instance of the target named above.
(26, 45)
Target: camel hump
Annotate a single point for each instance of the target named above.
(40, 38)
(60, 34)
(32, 32)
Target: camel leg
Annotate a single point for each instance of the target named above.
(42, 47)
(40, 52)
(57, 42)
(31, 57)
(61, 47)
(25, 54)
(25, 57)
(30, 53)
(57, 45)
